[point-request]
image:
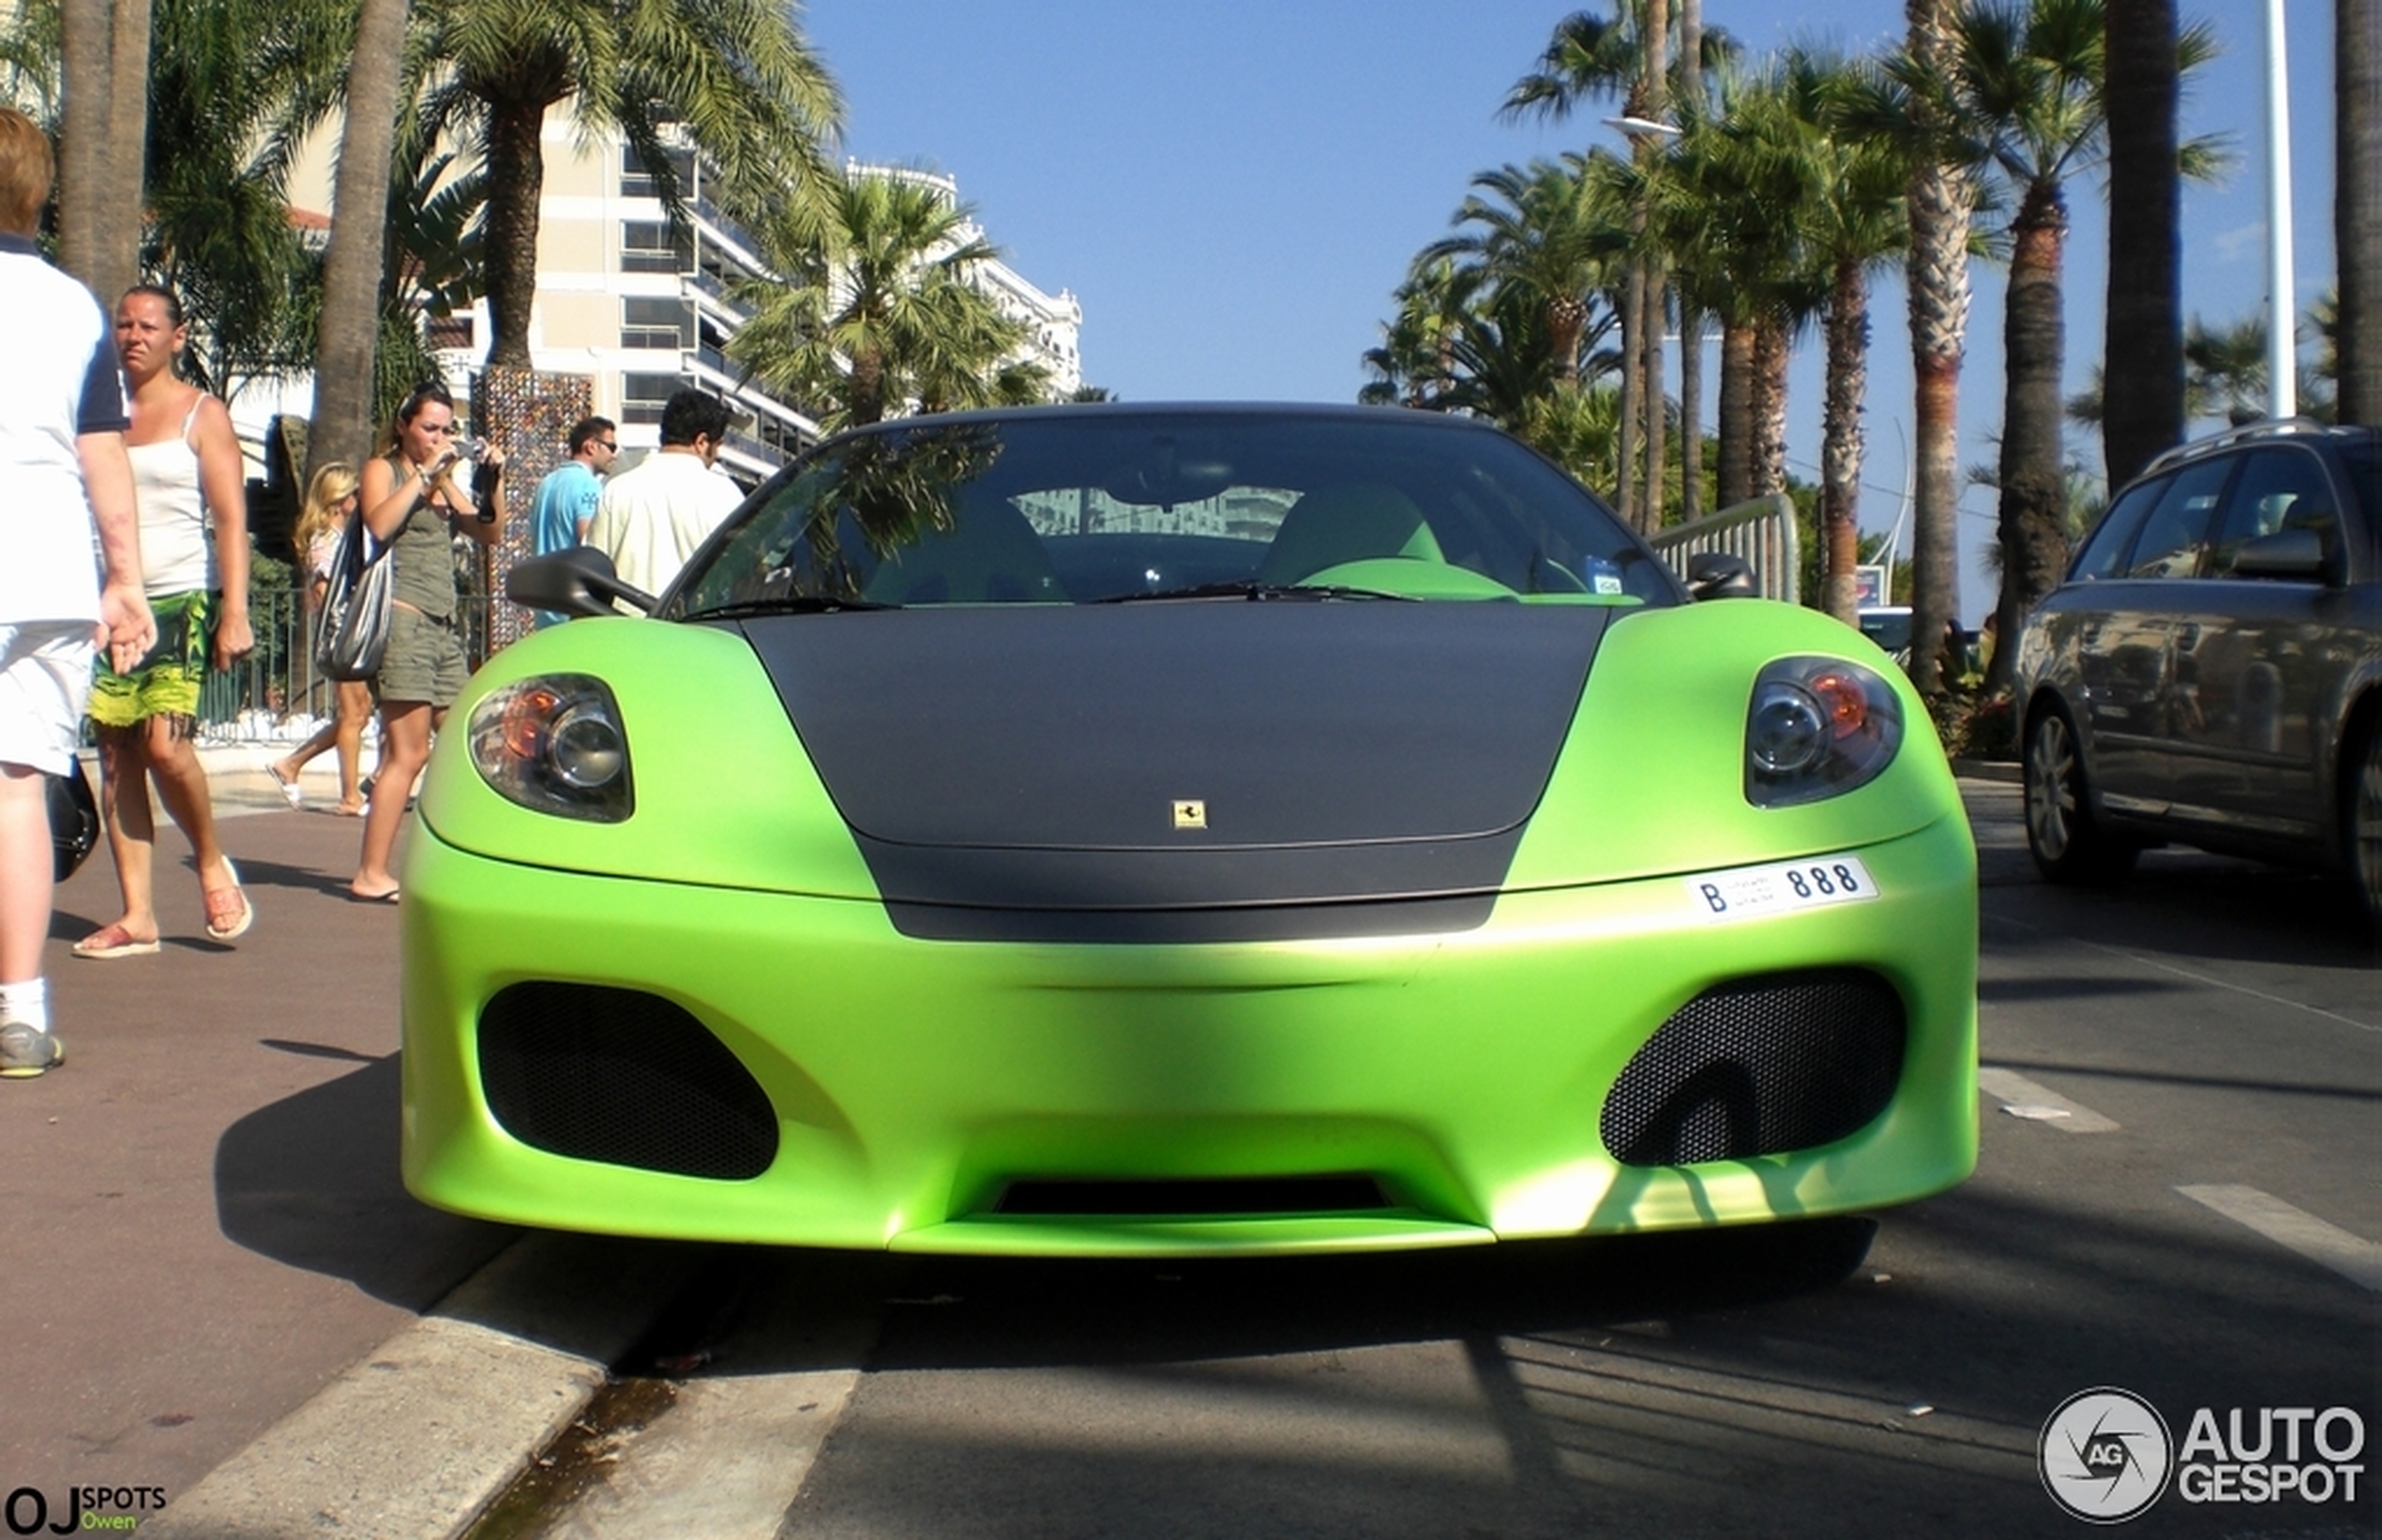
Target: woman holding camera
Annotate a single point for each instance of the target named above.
(412, 503)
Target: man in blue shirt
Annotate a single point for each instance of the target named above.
(566, 499)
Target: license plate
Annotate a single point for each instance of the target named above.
(1780, 888)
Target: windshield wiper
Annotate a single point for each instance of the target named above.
(1249, 588)
(790, 604)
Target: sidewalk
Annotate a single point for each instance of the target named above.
(205, 1223)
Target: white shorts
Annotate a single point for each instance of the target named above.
(45, 678)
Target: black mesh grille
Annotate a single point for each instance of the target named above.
(1194, 1197)
(1759, 1066)
(622, 1076)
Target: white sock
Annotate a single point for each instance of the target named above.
(28, 1002)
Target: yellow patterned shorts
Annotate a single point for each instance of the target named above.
(166, 681)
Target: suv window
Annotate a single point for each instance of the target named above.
(2280, 489)
(2177, 532)
(2108, 545)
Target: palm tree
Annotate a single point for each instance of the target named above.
(2143, 411)
(1940, 196)
(1734, 206)
(234, 86)
(1852, 220)
(1547, 234)
(103, 57)
(878, 309)
(2028, 84)
(1625, 58)
(347, 330)
(2357, 206)
(734, 75)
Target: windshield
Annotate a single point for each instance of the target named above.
(1111, 504)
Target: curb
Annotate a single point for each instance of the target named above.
(2005, 771)
(416, 1438)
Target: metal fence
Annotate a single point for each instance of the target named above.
(275, 693)
(1762, 531)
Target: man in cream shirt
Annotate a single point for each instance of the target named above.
(651, 519)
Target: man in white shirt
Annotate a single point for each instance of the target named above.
(63, 472)
(651, 519)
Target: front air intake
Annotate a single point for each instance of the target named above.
(622, 1076)
(1265, 1197)
(1760, 1066)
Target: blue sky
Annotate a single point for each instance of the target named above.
(1233, 188)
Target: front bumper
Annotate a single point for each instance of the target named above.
(913, 1082)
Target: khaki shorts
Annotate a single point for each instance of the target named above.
(424, 662)
(45, 676)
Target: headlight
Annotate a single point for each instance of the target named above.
(555, 744)
(1818, 727)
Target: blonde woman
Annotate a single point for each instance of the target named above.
(194, 556)
(330, 502)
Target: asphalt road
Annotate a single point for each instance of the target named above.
(2176, 1197)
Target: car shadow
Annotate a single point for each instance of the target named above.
(311, 1181)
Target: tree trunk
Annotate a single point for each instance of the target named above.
(1937, 285)
(2034, 544)
(2357, 205)
(1653, 310)
(86, 30)
(1633, 391)
(350, 328)
(1840, 442)
(2142, 398)
(516, 181)
(1657, 404)
(867, 403)
(1769, 407)
(123, 202)
(1691, 318)
(1736, 414)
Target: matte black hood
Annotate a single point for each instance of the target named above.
(1022, 760)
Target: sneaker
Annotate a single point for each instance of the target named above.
(26, 1051)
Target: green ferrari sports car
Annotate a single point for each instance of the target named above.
(1145, 830)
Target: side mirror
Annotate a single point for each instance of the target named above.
(577, 581)
(2293, 554)
(1720, 575)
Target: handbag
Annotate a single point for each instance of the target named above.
(352, 623)
(74, 819)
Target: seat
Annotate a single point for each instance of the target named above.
(990, 555)
(1336, 525)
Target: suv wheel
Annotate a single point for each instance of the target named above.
(2067, 844)
(2365, 821)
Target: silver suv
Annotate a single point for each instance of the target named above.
(2211, 671)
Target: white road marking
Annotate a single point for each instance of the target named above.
(2353, 1257)
(2023, 1098)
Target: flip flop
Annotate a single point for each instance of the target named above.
(224, 922)
(388, 898)
(343, 811)
(291, 791)
(110, 942)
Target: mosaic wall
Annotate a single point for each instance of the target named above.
(529, 414)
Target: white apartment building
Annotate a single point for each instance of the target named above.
(643, 313)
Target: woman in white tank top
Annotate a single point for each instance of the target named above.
(194, 548)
